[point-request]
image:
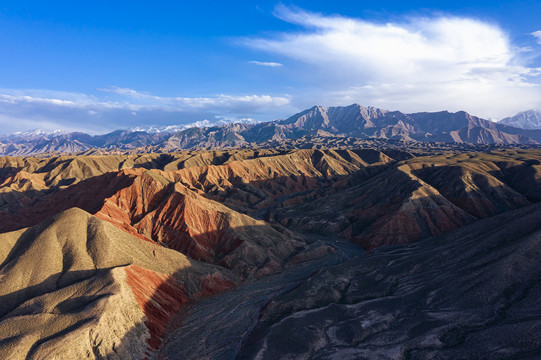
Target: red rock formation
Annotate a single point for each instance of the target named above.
(160, 297)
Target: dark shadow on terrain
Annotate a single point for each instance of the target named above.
(188, 158)
(164, 299)
(442, 296)
(15, 200)
(480, 198)
(158, 163)
(167, 304)
(469, 294)
(8, 171)
(524, 178)
(369, 210)
(55, 162)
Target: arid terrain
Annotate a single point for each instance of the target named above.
(270, 180)
(379, 251)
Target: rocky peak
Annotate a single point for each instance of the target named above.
(530, 119)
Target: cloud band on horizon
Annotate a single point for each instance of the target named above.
(51, 110)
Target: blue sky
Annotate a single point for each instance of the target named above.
(101, 65)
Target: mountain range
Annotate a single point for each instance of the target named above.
(354, 121)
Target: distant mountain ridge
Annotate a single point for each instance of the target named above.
(198, 124)
(354, 121)
(32, 134)
(530, 119)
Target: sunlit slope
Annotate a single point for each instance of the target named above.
(70, 287)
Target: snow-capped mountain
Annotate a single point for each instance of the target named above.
(171, 129)
(530, 119)
(354, 121)
(33, 134)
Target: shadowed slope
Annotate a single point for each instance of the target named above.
(392, 207)
(471, 294)
(202, 229)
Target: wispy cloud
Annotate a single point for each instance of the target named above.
(220, 101)
(24, 109)
(428, 63)
(537, 35)
(266, 63)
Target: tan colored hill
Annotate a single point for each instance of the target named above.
(75, 279)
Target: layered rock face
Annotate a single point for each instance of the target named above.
(200, 208)
(220, 253)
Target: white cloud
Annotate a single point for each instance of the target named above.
(266, 63)
(49, 110)
(537, 35)
(220, 101)
(442, 62)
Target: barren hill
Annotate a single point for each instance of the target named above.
(221, 253)
(75, 279)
